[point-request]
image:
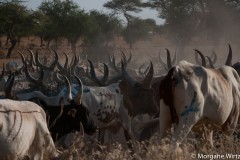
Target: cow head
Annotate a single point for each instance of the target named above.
(70, 119)
(178, 88)
(138, 97)
(72, 115)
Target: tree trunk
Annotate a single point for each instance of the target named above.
(18, 40)
(6, 43)
(13, 44)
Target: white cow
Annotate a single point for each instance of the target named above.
(24, 132)
(191, 95)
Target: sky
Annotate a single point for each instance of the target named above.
(98, 5)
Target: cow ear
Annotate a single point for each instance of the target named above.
(72, 113)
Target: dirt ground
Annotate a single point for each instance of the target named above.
(142, 51)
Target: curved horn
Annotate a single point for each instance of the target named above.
(126, 61)
(161, 61)
(28, 75)
(139, 69)
(106, 73)
(130, 58)
(112, 62)
(32, 59)
(38, 63)
(78, 98)
(75, 61)
(204, 64)
(55, 62)
(169, 61)
(126, 76)
(57, 78)
(8, 86)
(197, 59)
(93, 74)
(147, 80)
(210, 62)
(213, 57)
(124, 58)
(174, 59)
(229, 58)
(22, 58)
(69, 89)
(66, 62)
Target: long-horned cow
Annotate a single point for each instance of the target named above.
(24, 131)
(64, 113)
(112, 107)
(192, 95)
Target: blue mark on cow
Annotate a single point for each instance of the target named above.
(191, 108)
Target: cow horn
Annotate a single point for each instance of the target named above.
(126, 76)
(38, 63)
(28, 75)
(112, 62)
(9, 85)
(204, 64)
(213, 57)
(22, 58)
(210, 62)
(55, 62)
(57, 78)
(147, 80)
(106, 73)
(173, 62)
(143, 73)
(161, 61)
(75, 62)
(32, 60)
(69, 89)
(229, 58)
(139, 70)
(78, 98)
(169, 62)
(66, 62)
(93, 74)
(125, 60)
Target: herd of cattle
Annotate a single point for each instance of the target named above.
(42, 101)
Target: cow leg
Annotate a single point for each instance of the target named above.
(164, 119)
(101, 134)
(128, 139)
(208, 135)
(231, 123)
(184, 127)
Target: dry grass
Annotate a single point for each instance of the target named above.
(155, 149)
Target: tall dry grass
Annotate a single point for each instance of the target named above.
(155, 149)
